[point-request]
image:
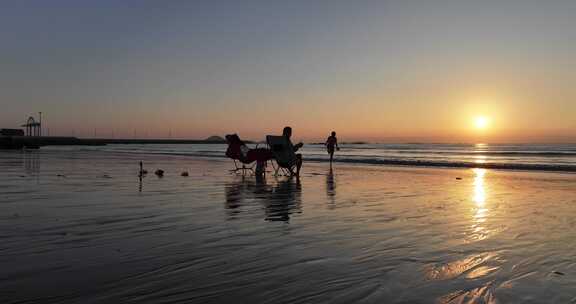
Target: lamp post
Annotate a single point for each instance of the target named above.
(40, 125)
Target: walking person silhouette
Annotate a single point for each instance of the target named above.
(331, 144)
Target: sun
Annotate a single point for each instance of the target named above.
(481, 122)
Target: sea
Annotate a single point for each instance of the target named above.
(533, 157)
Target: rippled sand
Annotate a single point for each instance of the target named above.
(79, 227)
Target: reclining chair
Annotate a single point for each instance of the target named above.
(240, 153)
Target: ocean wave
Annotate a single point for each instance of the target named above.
(493, 153)
(455, 164)
(383, 161)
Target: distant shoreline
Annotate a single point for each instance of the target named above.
(35, 142)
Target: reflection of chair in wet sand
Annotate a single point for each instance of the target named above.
(238, 151)
(284, 200)
(279, 201)
(242, 192)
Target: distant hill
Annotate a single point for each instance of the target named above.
(215, 139)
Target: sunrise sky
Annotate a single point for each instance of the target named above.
(371, 70)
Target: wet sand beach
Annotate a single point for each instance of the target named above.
(80, 227)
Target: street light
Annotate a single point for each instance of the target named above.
(40, 122)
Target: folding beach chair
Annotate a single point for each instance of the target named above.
(284, 154)
(245, 158)
(237, 151)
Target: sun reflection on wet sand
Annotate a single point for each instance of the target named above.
(470, 265)
(479, 188)
(478, 267)
(479, 231)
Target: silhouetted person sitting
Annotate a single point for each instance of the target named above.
(287, 132)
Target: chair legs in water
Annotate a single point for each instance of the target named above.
(243, 169)
(260, 168)
(283, 171)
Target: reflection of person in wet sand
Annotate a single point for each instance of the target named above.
(331, 187)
